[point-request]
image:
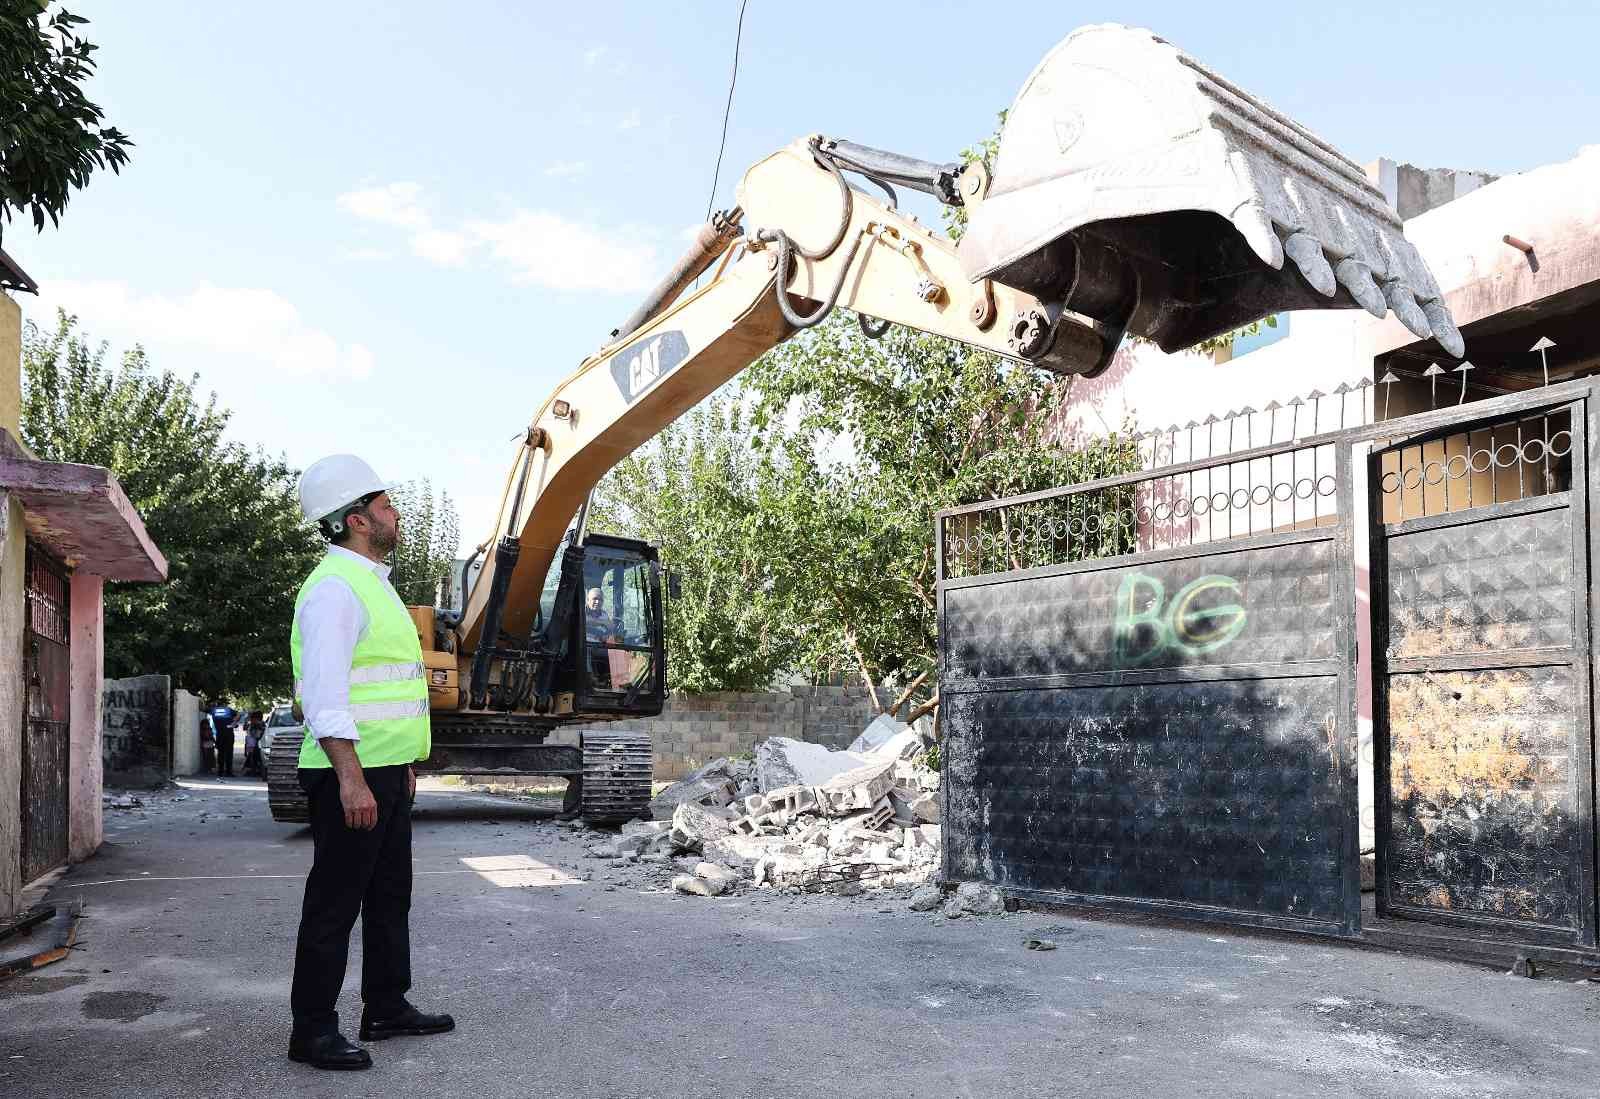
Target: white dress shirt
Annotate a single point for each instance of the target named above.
(332, 622)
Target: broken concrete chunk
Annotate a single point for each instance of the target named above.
(879, 731)
(693, 825)
(781, 761)
(695, 887)
(719, 877)
(632, 844)
(906, 745)
(860, 788)
(755, 805)
(699, 791)
(926, 898)
(925, 808)
(980, 899)
(792, 799)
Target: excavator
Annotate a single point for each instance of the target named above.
(1135, 192)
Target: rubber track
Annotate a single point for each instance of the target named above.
(284, 796)
(617, 771)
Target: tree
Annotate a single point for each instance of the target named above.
(51, 137)
(914, 423)
(693, 492)
(226, 518)
(430, 535)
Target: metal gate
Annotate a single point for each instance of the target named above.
(45, 736)
(1482, 720)
(1147, 687)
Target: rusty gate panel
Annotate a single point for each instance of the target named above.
(45, 736)
(1484, 734)
(1167, 732)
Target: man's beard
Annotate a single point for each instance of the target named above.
(383, 540)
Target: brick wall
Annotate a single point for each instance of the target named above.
(695, 729)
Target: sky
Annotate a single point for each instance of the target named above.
(392, 227)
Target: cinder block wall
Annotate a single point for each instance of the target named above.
(695, 729)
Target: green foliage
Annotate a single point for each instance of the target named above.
(864, 441)
(932, 760)
(430, 534)
(51, 137)
(226, 518)
(694, 491)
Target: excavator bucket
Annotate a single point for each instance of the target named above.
(1143, 190)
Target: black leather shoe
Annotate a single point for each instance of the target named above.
(409, 1022)
(331, 1051)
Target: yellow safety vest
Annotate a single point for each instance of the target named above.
(388, 684)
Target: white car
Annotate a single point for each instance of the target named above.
(282, 717)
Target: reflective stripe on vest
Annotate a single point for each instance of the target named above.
(378, 673)
(388, 680)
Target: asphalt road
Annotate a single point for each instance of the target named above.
(610, 987)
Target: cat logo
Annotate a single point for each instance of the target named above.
(645, 363)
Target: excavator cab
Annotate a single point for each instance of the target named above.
(610, 642)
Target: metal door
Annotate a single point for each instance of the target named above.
(1169, 730)
(1482, 728)
(44, 736)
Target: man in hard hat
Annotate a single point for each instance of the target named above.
(360, 681)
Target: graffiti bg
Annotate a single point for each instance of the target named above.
(1204, 615)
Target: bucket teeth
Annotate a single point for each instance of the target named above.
(1444, 328)
(1306, 252)
(1356, 277)
(1406, 309)
(1256, 227)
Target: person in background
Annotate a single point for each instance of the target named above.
(208, 745)
(223, 719)
(254, 726)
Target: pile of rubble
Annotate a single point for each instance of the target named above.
(799, 817)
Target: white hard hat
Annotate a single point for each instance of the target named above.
(336, 482)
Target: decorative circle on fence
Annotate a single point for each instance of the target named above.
(1565, 448)
(1326, 485)
(1430, 469)
(1305, 488)
(1507, 463)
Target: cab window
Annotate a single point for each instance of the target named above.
(618, 622)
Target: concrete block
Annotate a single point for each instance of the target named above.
(861, 788)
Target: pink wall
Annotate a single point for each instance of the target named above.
(85, 827)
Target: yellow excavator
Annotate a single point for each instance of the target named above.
(1135, 191)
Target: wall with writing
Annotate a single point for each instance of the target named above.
(136, 743)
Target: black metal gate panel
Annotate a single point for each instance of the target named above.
(1482, 669)
(45, 730)
(1169, 731)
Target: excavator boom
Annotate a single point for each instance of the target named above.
(1134, 191)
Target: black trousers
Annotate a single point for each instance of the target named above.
(225, 754)
(354, 871)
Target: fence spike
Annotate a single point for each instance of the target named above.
(1462, 370)
(1432, 374)
(1544, 344)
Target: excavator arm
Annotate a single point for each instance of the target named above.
(823, 244)
(1135, 192)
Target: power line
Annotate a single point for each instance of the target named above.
(738, 37)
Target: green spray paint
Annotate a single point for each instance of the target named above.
(1148, 627)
